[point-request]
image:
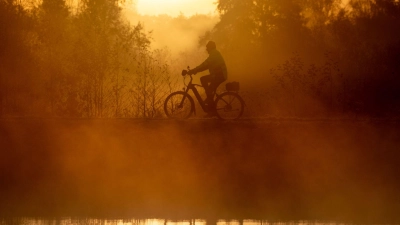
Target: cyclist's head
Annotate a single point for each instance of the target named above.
(211, 46)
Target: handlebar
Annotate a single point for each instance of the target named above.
(185, 72)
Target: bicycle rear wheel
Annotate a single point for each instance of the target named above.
(178, 105)
(229, 106)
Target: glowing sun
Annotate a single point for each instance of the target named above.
(175, 7)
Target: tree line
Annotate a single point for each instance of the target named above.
(78, 59)
(292, 57)
(314, 58)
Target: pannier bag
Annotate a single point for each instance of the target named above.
(232, 86)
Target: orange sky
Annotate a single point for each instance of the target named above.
(174, 7)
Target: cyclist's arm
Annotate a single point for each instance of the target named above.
(204, 66)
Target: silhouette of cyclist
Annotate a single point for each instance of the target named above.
(215, 64)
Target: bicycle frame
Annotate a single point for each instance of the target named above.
(192, 87)
(224, 106)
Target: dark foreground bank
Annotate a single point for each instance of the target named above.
(270, 169)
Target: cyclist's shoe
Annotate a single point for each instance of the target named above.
(210, 105)
(209, 115)
(209, 101)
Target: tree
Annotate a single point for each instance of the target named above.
(16, 62)
(361, 38)
(53, 30)
(97, 27)
(367, 38)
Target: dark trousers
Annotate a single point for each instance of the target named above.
(210, 84)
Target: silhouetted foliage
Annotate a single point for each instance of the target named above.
(361, 38)
(83, 60)
(16, 62)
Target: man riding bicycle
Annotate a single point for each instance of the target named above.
(215, 63)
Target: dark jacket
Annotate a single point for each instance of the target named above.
(215, 63)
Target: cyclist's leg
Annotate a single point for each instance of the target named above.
(206, 82)
(219, 79)
(213, 87)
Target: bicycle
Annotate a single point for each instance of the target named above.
(227, 106)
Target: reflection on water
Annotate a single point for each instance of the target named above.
(90, 221)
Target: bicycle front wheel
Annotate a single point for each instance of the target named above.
(179, 105)
(229, 106)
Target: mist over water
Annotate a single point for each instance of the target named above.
(270, 170)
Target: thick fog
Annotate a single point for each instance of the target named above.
(83, 130)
